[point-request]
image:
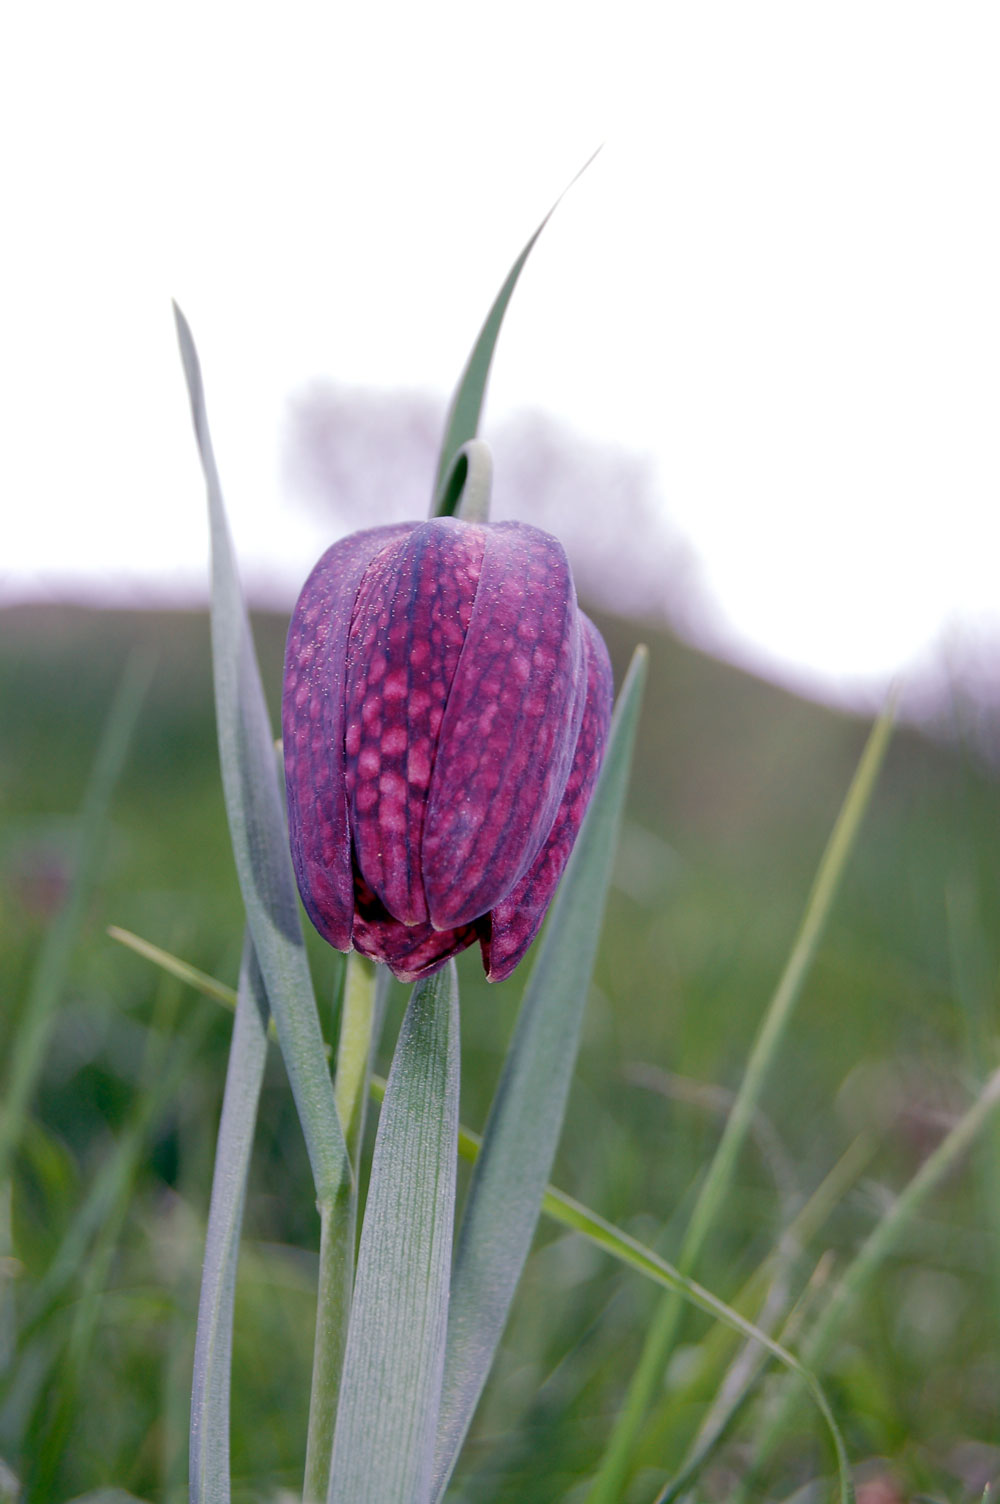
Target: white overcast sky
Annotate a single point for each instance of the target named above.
(780, 280)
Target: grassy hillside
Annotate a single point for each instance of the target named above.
(736, 787)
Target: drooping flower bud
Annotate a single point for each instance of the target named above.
(445, 710)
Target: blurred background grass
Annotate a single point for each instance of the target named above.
(736, 786)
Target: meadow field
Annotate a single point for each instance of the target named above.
(106, 1162)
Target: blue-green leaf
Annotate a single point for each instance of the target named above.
(525, 1121)
(462, 423)
(384, 1444)
(209, 1452)
(257, 825)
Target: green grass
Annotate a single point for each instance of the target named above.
(736, 788)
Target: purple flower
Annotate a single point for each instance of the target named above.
(446, 706)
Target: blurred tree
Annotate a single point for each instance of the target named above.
(367, 457)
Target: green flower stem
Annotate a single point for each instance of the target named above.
(354, 1050)
(611, 1476)
(338, 1221)
(333, 1309)
(878, 1245)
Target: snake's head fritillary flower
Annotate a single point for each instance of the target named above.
(446, 706)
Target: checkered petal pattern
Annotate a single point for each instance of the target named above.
(445, 710)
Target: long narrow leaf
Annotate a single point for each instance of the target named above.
(384, 1444)
(209, 1451)
(525, 1120)
(219, 992)
(462, 423)
(257, 824)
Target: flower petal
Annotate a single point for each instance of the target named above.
(516, 919)
(313, 731)
(413, 607)
(409, 951)
(509, 730)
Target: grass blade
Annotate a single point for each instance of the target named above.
(209, 1448)
(609, 1482)
(257, 825)
(110, 1193)
(733, 1390)
(208, 986)
(76, 1289)
(801, 957)
(643, 1260)
(526, 1117)
(35, 1027)
(880, 1244)
(462, 423)
(383, 1449)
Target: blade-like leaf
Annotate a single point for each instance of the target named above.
(462, 423)
(257, 825)
(384, 1443)
(465, 490)
(209, 1452)
(523, 1127)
